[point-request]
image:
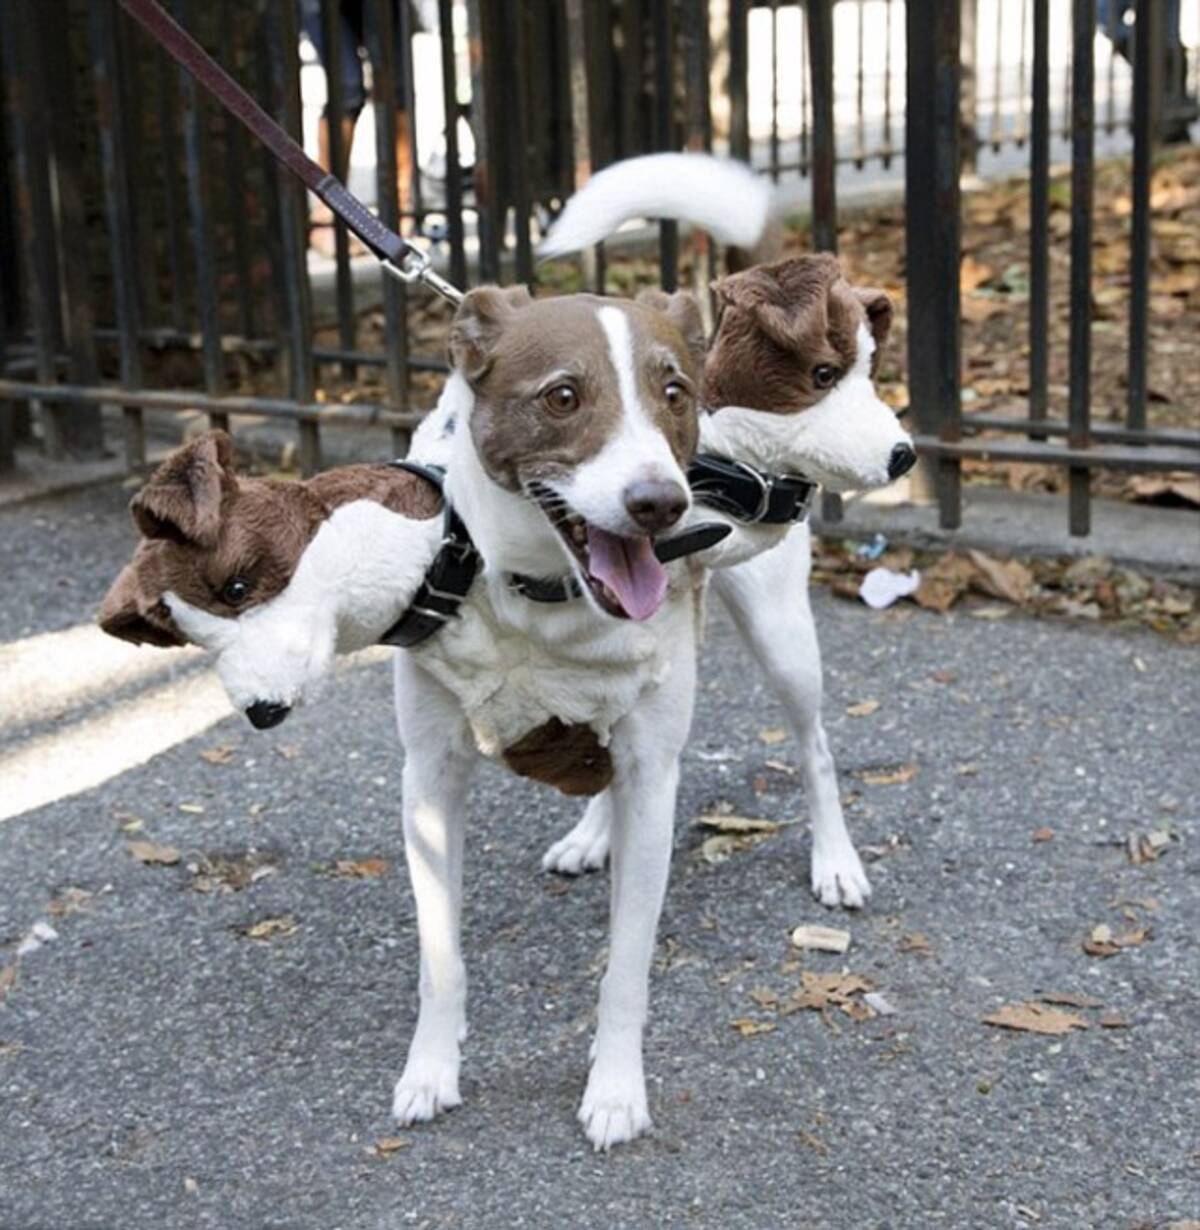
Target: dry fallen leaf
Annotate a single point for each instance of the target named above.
(1146, 847)
(8, 979)
(764, 997)
(770, 735)
(222, 754)
(385, 1146)
(289, 751)
(69, 901)
(890, 777)
(1114, 1020)
(269, 928)
(363, 869)
(815, 1143)
(819, 992)
(1043, 834)
(730, 823)
(1103, 943)
(1070, 999)
(192, 809)
(1035, 1018)
(972, 274)
(917, 943)
(750, 1028)
(823, 939)
(150, 852)
(863, 709)
(1007, 579)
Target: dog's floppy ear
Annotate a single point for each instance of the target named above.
(782, 297)
(477, 324)
(182, 500)
(682, 310)
(879, 314)
(133, 610)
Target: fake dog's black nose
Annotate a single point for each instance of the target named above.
(902, 460)
(655, 504)
(264, 714)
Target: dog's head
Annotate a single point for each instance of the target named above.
(216, 552)
(794, 354)
(586, 407)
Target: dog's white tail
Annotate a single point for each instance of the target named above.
(724, 197)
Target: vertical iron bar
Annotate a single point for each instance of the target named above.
(454, 205)
(696, 131)
(234, 136)
(516, 48)
(283, 39)
(13, 415)
(407, 100)
(81, 429)
(1147, 77)
(860, 130)
(997, 126)
(581, 142)
(887, 150)
(664, 132)
(339, 159)
(1021, 129)
(195, 140)
(969, 52)
(168, 137)
(395, 299)
(114, 159)
(1083, 14)
(1110, 29)
(1039, 218)
(739, 71)
(490, 212)
(932, 234)
(775, 90)
(824, 146)
(805, 90)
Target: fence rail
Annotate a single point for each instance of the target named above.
(141, 230)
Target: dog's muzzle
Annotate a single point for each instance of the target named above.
(264, 714)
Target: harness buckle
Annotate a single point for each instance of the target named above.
(808, 489)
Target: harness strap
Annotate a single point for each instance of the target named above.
(448, 579)
(749, 495)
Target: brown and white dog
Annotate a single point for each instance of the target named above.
(566, 426)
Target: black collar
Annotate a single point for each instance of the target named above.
(749, 495)
(448, 579)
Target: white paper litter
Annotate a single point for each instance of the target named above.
(40, 933)
(881, 586)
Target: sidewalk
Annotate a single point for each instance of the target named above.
(160, 1068)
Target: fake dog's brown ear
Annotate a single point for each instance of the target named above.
(879, 316)
(682, 310)
(782, 297)
(133, 609)
(477, 324)
(182, 500)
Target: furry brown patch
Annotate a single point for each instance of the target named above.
(780, 322)
(569, 758)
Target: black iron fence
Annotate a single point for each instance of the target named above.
(151, 258)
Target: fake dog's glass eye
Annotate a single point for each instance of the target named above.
(562, 399)
(235, 591)
(676, 395)
(824, 375)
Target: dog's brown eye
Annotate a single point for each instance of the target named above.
(676, 395)
(562, 399)
(235, 591)
(824, 375)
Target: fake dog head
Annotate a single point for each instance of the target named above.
(273, 576)
(586, 407)
(789, 373)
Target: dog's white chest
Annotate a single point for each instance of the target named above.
(514, 665)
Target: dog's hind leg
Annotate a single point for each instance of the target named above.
(768, 599)
(646, 747)
(437, 769)
(585, 847)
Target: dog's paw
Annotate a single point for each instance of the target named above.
(424, 1092)
(614, 1112)
(838, 877)
(584, 848)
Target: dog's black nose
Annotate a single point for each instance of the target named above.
(902, 460)
(655, 504)
(264, 714)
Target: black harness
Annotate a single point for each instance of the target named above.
(749, 496)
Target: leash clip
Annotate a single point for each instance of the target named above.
(416, 266)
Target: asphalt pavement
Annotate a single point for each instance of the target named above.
(162, 1067)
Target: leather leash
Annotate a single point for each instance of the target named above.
(399, 258)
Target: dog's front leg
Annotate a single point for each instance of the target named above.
(646, 749)
(437, 770)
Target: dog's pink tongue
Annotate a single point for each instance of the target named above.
(630, 569)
